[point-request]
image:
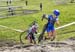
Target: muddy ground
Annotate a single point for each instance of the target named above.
(55, 46)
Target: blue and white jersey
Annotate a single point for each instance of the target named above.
(52, 20)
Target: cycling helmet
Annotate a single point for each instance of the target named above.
(56, 12)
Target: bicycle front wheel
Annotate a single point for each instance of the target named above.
(23, 37)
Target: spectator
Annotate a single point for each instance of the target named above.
(40, 6)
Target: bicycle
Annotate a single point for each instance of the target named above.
(41, 37)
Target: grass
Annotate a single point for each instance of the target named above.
(21, 22)
(65, 33)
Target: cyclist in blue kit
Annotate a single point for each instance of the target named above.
(49, 26)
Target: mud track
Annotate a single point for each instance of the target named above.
(55, 46)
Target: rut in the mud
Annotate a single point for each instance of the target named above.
(56, 46)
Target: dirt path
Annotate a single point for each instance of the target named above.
(62, 46)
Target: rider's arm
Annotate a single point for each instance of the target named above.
(36, 28)
(45, 17)
(57, 22)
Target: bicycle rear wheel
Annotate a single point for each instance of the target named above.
(23, 37)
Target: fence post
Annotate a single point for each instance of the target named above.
(26, 2)
(9, 2)
(72, 1)
(41, 6)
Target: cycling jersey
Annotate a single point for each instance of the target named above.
(50, 23)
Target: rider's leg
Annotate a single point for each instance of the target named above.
(49, 34)
(53, 35)
(33, 38)
(30, 38)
